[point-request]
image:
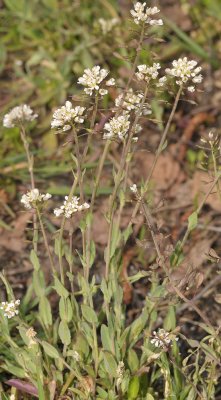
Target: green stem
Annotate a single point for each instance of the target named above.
(30, 161)
(46, 241)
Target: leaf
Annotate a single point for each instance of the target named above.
(64, 333)
(65, 309)
(133, 360)
(34, 260)
(60, 289)
(170, 320)
(110, 364)
(39, 283)
(89, 314)
(133, 389)
(192, 221)
(45, 311)
(105, 338)
(50, 350)
(149, 397)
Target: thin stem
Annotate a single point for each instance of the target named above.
(118, 179)
(46, 241)
(92, 124)
(186, 235)
(159, 150)
(30, 161)
(98, 173)
(62, 231)
(148, 217)
(215, 169)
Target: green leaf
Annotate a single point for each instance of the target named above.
(110, 364)
(102, 393)
(34, 260)
(149, 397)
(60, 289)
(89, 314)
(50, 350)
(133, 389)
(192, 221)
(105, 338)
(45, 311)
(170, 320)
(65, 309)
(133, 360)
(39, 283)
(64, 333)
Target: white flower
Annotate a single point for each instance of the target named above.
(69, 207)
(107, 24)
(30, 199)
(66, 115)
(103, 92)
(143, 14)
(156, 22)
(18, 114)
(30, 333)
(117, 127)
(120, 372)
(92, 79)
(185, 71)
(191, 89)
(110, 82)
(76, 356)
(147, 72)
(10, 309)
(162, 339)
(130, 101)
(161, 81)
(133, 188)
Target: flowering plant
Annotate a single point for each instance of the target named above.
(71, 336)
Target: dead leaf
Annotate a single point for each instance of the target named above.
(200, 185)
(23, 386)
(189, 130)
(198, 254)
(166, 172)
(14, 240)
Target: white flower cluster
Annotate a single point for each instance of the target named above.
(120, 372)
(141, 13)
(10, 309)
(30, 199)
(130, 101)
(66, 115)
(162, 339)
(107, 24)
(18, 114)
(69, 207)
(30, 334)
(93, 78)
(117, 127)
(133, 188)
(185, 71)
(146, 72)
